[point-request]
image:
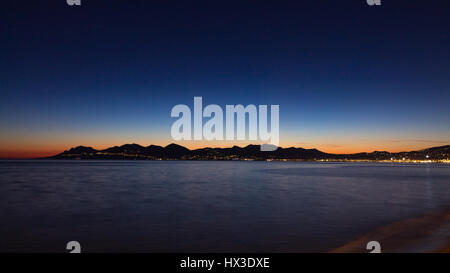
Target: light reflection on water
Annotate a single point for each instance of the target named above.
(177, 206)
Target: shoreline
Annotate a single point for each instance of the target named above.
(427, 233)
(441, 162)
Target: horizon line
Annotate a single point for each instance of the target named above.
(208, 147)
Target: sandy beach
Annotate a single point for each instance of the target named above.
(422, 234)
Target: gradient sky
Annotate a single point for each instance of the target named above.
(348, 77)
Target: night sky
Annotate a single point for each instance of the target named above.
(348, 77)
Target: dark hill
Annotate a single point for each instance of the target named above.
(175, 151)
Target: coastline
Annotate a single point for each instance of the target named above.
(251, 152)
(429, 233)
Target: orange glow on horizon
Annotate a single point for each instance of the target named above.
(29, 151)
(49, 144)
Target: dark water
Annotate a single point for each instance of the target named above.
(207, 206)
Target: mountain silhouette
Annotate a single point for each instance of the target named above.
(175, 151)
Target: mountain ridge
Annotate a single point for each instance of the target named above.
(176, 151)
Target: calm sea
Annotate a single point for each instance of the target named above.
(200, 206)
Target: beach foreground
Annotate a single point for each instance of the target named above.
(426, 233)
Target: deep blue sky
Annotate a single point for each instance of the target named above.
(347, 76)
